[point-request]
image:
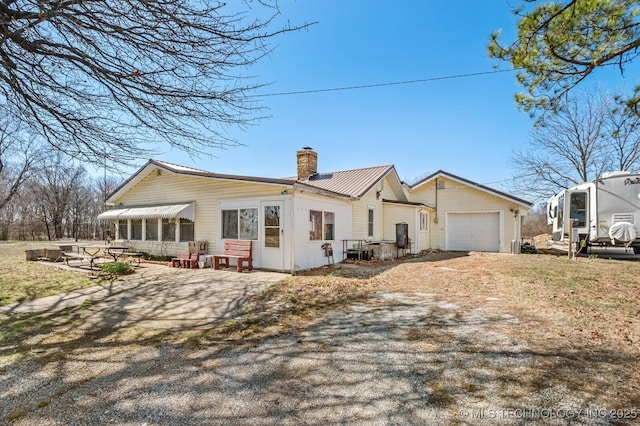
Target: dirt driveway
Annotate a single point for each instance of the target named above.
(436, 341)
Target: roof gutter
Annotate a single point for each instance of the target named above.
(316, 190)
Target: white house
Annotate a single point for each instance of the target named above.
(162, 207)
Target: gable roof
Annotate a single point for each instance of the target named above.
(354, 183)
(152, 165)
(500, 194)
(203, 173)
(348, 184)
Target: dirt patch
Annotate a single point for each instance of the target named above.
(447, 338)
(579, 319)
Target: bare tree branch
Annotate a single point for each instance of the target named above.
(109, 80)
(19, 157)
(568, 148)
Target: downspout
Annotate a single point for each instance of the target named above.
(292, 238)
(435, 219)
(516, 239)
(415, 247)
(429, 230)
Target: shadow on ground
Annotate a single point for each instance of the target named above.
(364, 269)
(386, 359)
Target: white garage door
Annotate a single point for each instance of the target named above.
(473, 231)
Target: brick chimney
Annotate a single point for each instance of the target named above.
(307, 163)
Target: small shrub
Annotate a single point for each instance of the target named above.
(118, 268)
(159, 258)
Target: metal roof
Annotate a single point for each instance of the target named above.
(348, 183)
(182, 211)
(354, 183)
(181, 170)
(197, 172)
(408, 203)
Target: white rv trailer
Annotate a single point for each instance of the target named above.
(606, 212)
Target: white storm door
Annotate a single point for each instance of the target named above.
(272, 235)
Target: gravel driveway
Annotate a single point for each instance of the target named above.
(390, 359)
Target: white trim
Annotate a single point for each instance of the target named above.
(371, 208)
(473, 185)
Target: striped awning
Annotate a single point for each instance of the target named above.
(165, 211)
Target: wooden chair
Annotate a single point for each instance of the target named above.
(192, 261)
(179, 262)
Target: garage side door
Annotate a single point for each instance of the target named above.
(473, 232)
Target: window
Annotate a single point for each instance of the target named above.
(329, 219)
(186, 230)
(230, 224)
(424, 221)
(272, 226)
(248, 224)
(240, 224)
(321, 225)
(315, 225)
(152, 230)
(168, 230)
(371, 222)
(123, 232)
(578, 209)
(136, 229)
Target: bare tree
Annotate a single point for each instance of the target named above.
(623, 135)
(568, 147)
(106, 80)
(57, 186)
(19, 157)
(61, 200)
(535, 222)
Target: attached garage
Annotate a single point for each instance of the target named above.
(473, 231)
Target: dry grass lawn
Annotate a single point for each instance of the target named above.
(579, 319)
(22, 281)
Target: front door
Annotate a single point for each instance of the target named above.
(578, 202)
(272, 235)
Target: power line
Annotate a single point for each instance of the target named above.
(394, 83)
(499, 181)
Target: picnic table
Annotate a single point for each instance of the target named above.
(90, 252)
(115, 251)
(68, 254)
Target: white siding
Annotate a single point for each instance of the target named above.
(206, 192)
(309, 254)
(397, 213)
(373, 198)
(458, 197)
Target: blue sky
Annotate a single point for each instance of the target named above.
(466, 126)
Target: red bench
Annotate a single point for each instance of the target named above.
(180, 261)
(235, 249)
